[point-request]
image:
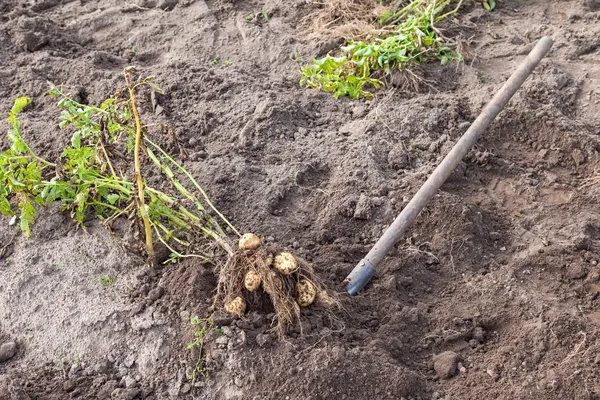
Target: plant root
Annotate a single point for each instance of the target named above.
(277, 291)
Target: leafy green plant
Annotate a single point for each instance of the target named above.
(21, 173)
(202, 327)
(92, 176)
(414, 40)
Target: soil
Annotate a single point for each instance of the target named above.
(497, 281)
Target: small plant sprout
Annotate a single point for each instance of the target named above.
(214, 61)
(489, 5)
(297, 57)
(259, 17)
(106, 280)
(202, 327)
(77, 360)
(219, 330)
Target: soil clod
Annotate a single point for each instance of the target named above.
(445, 364)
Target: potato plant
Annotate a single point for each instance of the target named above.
(100, 175)
(414, 40)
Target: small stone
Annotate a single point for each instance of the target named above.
(75, 368)
(492, 371)
(68, 385)
(302, 131)
(461, 368)
(597, 359)
(503, 248)
(445, 364)
(8, 351)
(263, 339)
(186, 388)
(193, 141)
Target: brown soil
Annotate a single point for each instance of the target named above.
(501, 268)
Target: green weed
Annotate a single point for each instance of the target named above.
(415, 40)
(202, 327)
(259, 17)
(106, 280)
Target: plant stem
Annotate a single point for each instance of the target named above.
(138, 172)
(191, 178)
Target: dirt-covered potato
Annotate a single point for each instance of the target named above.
(249, 241)
(269, 260)
(252, 281)
(236, 307)
(285, 263)
(306, 292)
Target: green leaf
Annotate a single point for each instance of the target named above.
(18, 106)
(112, 198)
(27, 217)
(76, 140)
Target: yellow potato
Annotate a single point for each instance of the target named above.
(269, 260)
(236, 307)
(249, 241)
(252, 281)
(306, 292)
(285, 263)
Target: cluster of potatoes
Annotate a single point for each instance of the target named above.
(284, 263)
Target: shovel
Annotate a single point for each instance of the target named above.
(364, 271)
